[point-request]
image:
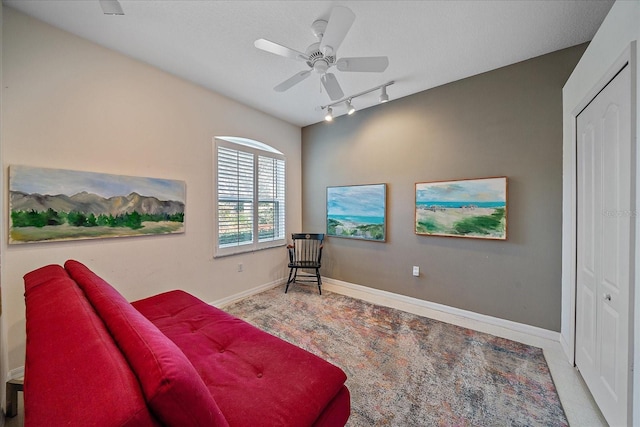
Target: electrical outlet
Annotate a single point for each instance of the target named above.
(240, 267)
(416, 270)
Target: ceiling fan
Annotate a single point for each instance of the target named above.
(321, 56)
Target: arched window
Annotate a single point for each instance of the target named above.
(250, 196)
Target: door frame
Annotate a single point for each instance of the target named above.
(569, 229)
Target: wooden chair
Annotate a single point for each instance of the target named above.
(305, 253)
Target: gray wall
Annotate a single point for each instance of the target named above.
(506, 122)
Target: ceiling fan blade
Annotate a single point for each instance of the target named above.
(338, 26)
(371, 64)
(278, 49)
(292, 81)
(332, 86)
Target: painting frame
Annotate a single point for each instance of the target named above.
(474, 208)
(53, 205)
(357, 212)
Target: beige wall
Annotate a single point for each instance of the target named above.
(71, 104)
(506, 122)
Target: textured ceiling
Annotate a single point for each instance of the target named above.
(429, 43)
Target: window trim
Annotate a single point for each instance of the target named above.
(257, 149)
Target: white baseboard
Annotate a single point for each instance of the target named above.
(15, 373)
(237, 297)
(520, 332)
(567, 349)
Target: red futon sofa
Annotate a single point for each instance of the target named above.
(93, 359)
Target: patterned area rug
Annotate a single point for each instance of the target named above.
(407, 370)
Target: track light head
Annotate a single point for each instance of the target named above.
(111, 7)
(383, 95)
(329, 116)
(350, 109)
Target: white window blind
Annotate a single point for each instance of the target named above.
(235, 197)
(250, 190)
(270, 199)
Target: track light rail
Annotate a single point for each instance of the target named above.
(347, 99)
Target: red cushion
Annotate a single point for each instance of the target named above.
(170, 384)
(337, 412)
(74, 372)
(256, 378)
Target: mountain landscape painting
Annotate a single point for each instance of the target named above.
(56, 204)
(474, 208)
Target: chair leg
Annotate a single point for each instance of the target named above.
(319, 281)
(289, 280)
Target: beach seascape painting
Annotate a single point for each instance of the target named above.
(475, 208)
(48, 205)
(357, 212)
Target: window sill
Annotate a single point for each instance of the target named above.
(248, 250)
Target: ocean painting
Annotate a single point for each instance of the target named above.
(357, 212)
(56, 204)
(474, 208)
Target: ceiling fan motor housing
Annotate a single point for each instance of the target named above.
(317, 60)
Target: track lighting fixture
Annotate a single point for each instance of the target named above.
(350, 109)
(383, 95)
(347, 101)
(111, 7)
(329, 116)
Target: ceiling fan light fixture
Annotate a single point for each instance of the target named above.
(350, 109)
(329, 116)
(111, 7)
(320, 66)
(383, 95)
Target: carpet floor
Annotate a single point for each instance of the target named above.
(408, 370)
